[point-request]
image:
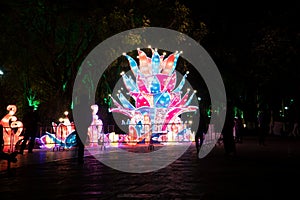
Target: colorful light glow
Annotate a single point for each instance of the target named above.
(32, 101)
(12, 128)
(63, 134)
(95, 130)
(158, 103)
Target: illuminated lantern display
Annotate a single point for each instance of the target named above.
(12, 128)
(158, 102)
(95, 129)
(64, 134)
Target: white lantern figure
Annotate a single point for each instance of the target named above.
(95, 129)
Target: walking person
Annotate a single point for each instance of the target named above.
(83, 115)
(295, 130)
(30, 123)
(200, 134)
(1, 138)
(263, 124)
(238, 126)
(227, 132)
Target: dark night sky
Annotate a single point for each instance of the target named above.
(234, 27)
(233, 24)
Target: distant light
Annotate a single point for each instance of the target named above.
(199, 98)
(286, 107)
(1, 72)
(66, 113)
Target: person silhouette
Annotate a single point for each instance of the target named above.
(238, 127)
(200, 134)
(227, 132)
(83, 116)
(30, 123)
(263, 122)
(1, 138)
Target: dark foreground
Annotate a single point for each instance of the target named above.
(257, 172)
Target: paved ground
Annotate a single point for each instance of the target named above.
(258, 172)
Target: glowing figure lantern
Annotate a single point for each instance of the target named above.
(64, 135)
(12, 128)
(95, 129)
